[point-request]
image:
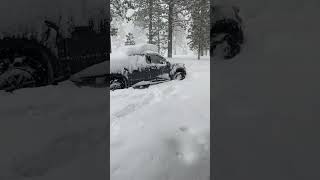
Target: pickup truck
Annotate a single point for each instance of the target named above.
(140, 66)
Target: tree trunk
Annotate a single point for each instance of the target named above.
(174, 43)
(158, 33)
(170, 29)
(159, 42)
(150, 20)
(199, 51)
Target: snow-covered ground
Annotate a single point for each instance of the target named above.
(55, 132)
(163, 132)
(59, 132)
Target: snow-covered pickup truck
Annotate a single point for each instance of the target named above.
(44, 42)
(140, 66)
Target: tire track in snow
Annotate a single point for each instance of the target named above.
(139, 99)
(136, 100)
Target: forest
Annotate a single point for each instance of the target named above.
(174, 26)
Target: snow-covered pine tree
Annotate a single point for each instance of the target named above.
(119, 8)
(176, 13)
(130, 40)
(160, 17)
(114, 31)
(149, 15)
(199, 31)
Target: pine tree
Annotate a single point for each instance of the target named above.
(114, 31)
(150, 16)
(119, 8)
(175, 8)
(161, 20)
(199, 31)
(130, 40)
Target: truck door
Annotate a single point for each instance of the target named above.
(141, 72)
(157, 66)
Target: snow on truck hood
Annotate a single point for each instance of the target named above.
(123, 58)
(118, 64)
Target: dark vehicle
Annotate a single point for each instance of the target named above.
(28, 63)
(226, 31)
(155, 70)
(152, 69)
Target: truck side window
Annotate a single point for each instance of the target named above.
(148, 59)
(155, 59)
(162, 60)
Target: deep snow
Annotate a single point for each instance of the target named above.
(59, 132)
(55, 132)
(163, 132)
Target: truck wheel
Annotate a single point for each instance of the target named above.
(179, 75)
(23, 71)
(117, 83)
(16, 78)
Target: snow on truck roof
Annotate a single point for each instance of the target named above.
(141, 49)
(129, 57)
(126, 57)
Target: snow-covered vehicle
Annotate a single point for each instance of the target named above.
(140, 66)
(51, 44)
(226, 31)
(27, 63)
